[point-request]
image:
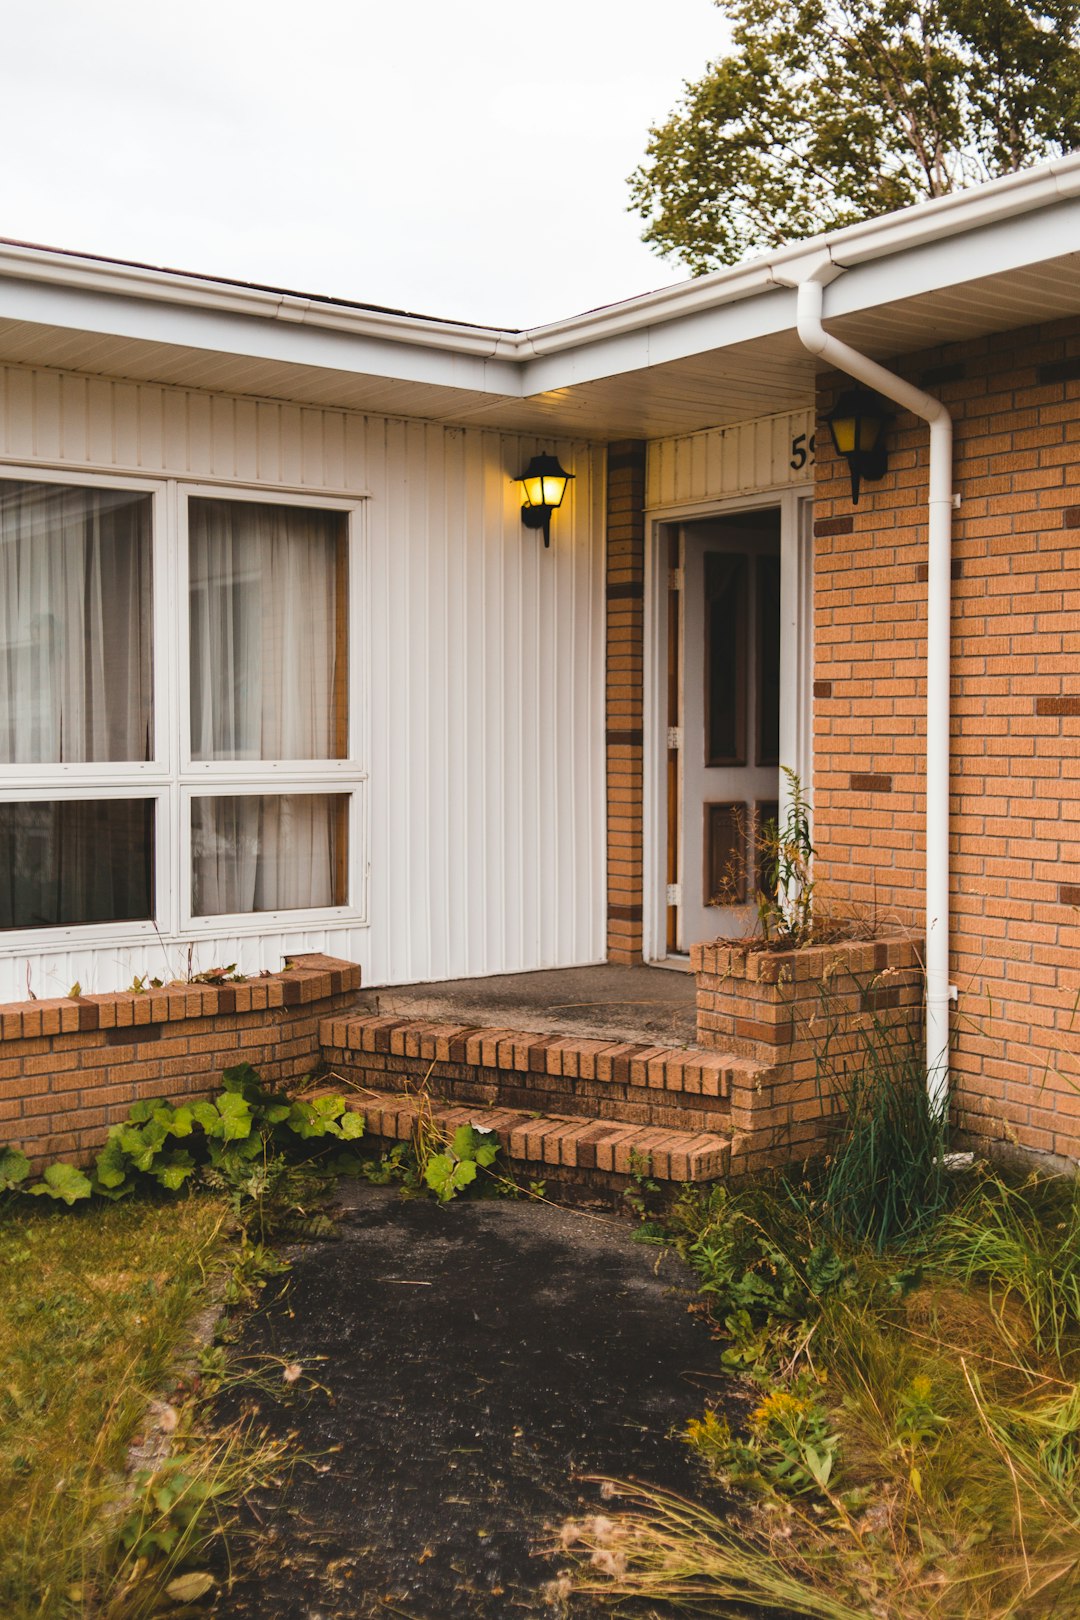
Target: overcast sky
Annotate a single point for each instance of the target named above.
(466, 160)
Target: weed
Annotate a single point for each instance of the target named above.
(887, 1177)
(785, 902)
(95, 1303)
(244, 1142)
(452, 1169)
(14, 1170)
(444, 1163)
(669, 1550)
(1024, 1244)
(790, 1450)
(643, 1191)
(179, 1507)
(394, 1165)
(915, 1447)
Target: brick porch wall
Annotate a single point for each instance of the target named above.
(71, 1068)
(1015, 400)
(806, 1019)
(625, 690)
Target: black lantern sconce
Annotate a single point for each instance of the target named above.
(544, 484)
(857, 423)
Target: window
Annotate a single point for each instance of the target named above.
(68, 861)
(75, 656)
(267, 638)
(160, 773)
(267, 597)
(262, 852)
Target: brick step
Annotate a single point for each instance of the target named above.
(677, 1088)
(552, 1142)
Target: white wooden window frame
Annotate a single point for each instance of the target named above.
(171, 778)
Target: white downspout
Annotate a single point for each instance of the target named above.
(938, 632)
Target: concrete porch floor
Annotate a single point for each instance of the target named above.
(646, 1005)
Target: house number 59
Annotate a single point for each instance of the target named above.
(802, 452)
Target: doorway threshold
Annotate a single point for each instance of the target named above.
(676, 962)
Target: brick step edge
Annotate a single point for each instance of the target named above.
(564, 1140)
(688, 1069)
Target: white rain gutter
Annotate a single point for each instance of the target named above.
(813, 335)
(922, 224)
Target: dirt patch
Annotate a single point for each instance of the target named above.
(480, 1359)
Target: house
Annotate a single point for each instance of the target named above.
(282, 672)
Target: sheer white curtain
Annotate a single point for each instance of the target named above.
(71, 861)
(75, 625)
(265, 661)
(272, 852)
(75, 688)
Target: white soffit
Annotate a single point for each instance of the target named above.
(703, 354)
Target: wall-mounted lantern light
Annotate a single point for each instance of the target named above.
(857, 423)
(544, 484)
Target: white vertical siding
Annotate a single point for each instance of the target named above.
(484, 670)
(723, 462)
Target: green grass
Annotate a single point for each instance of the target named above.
(1023, 1243)
(96, 1305)
(947, 1367)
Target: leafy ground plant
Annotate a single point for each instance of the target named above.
(445, 1163)
(455, 1166)
(249, 1142)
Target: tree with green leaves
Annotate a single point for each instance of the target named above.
(826, 112)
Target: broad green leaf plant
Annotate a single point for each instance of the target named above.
(224, 1141)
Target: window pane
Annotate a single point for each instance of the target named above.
(280, 852)
(267, 600)
(76, 861)
(725, 659)
(75, 624)
(725, 855)
(768, 660)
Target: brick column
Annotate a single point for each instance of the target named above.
(625, 669)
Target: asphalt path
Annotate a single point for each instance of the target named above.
(476, 1363)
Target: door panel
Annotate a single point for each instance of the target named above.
(730, 716)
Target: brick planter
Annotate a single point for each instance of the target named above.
(71, 1068)
(802, 1017)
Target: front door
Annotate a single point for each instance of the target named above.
(729, 732)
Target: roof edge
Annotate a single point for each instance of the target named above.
(1012, 196)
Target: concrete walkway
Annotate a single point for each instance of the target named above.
(479, 1360)
(654, 1006)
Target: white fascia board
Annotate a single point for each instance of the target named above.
(1011, 197)
(1015, 198)
(766, 306)
(225, 331)
(769, 310)
(990, 250)
(1008, 223)
(61, 269)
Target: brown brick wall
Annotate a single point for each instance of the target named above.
(624, 711)
(1015, 399)
(71, 1068)
(804, 1018)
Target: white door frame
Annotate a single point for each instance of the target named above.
(796, 707)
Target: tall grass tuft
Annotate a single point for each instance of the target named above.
(676, 1552)
(1023, 1243)
(886, 1178)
